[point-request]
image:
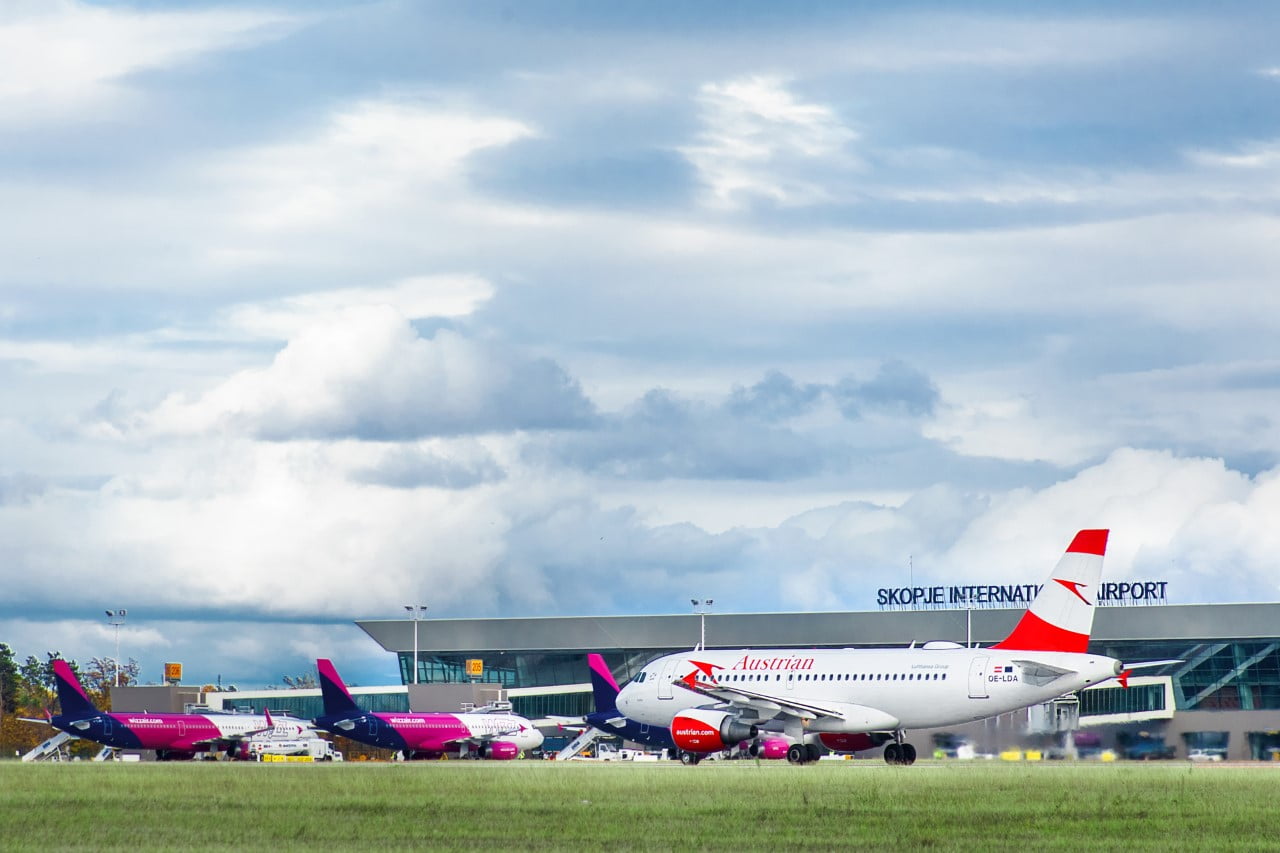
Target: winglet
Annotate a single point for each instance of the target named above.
(72, 699)
(1061, 616)
(334, 694)
(604, 689)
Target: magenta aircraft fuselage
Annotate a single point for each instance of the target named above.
(170, 735)
(497, 736)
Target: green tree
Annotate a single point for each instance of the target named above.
(99, 674)
(9, 680)
(38, 685)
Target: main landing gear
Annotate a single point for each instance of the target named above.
(899, 752)
(689, 758)
(802, 753)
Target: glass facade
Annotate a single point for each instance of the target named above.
(1218, 675)
(519, 669)
(310, 707)
(1117, 700)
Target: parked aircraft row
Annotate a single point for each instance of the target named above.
(772, 703)
(497, 736)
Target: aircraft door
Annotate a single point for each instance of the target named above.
(106, 725)
(664, 680)
(978, 678)
(373, 726)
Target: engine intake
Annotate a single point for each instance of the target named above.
(700, 730)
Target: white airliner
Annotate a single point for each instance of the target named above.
(854, 699)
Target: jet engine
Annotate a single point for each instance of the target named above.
(701, 730)
(853, 743)
(771, 748)
(499, 750)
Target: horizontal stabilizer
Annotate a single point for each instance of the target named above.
(1039, 674)
(1152, 664)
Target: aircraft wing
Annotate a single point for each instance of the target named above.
(486, 737)
(768, 706)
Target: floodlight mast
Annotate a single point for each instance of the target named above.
(416, 612)
(700, 607)
(115, 618)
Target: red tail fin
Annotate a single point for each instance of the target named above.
(1061, 616)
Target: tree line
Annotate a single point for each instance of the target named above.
(28, 692)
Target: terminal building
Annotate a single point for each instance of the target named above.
(1221, 699)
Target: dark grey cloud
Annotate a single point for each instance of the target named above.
(759, 433)
(663, 435)
(896, 387)
(775, 397)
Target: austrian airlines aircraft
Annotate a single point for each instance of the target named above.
(172, 736)
(608, 719)
(855, 699)
(495, 736)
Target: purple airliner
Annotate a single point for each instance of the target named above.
(172, 736)
(497, 736)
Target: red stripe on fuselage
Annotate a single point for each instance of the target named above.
(1089, 542)
(1033, 634)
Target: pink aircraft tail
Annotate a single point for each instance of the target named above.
(1061, 616)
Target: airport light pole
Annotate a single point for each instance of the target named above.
(116, 619)
(700, 607)
(416, 612)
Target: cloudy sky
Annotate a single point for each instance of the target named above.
(312, 310)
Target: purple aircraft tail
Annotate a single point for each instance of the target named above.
(337, 700)
(603, 688)
(71, 696)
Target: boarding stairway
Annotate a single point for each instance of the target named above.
(578, 744)
(50, 750)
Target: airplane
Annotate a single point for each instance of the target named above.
(173, 736)
(606, 718)
(857, 699)
(497, 736)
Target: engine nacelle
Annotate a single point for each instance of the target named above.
(772, 748)
(500, 750)
(700, 730)
(853, 743)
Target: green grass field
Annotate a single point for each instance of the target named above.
(721, 805)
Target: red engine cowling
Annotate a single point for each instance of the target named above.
(700, 730)
(853, 743)
(771, 747)
(500, 750)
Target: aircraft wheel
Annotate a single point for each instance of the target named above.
(892, 754)
(689, 759)
(796, 753)
(811, 752)
(908, 754)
